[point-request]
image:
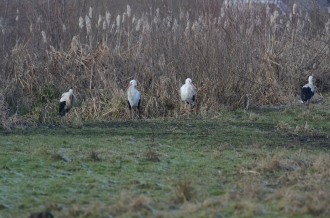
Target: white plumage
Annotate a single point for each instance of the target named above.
(67, 101)
(188, 91)
(133, 96)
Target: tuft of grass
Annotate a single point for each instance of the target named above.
(183, 191)
(283, 126)
(131, 203)
(56, 156)
(217, 154)
(152, 156)
(45, 214)
(94, 156)
(41, 151)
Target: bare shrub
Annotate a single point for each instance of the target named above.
(12, 103)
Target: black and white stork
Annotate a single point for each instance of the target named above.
(307, 92)
(67, 101)
(188, 91)
(134, 97)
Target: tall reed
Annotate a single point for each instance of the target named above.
(240, 55)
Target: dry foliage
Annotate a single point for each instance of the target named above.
(239, 55)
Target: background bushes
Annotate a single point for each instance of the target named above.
(238, 55)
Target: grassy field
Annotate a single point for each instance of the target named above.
(260, 163)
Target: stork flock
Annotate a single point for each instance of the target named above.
(187, 92)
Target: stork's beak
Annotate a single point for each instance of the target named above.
(129, 85)
(193, 85)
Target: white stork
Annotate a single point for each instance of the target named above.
(188, 91)
(133, 96)
(67, 101)
(307, 92)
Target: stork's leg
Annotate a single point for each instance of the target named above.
(69, 115)
(188, 108)
(137, 112)
(64, 119)
(306, 124)
(182, 107)
(134, 113)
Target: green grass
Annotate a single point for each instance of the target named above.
(260, 163)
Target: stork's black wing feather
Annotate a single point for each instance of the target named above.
(306, 94)
(129, 105)
(61, 109)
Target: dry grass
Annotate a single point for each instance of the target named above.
(238, 57)
(94, 156)
(11, 100)
(127, 202)
(152, 156)
(56, 156)
(300, 190)
(183, 191)
(41, 215)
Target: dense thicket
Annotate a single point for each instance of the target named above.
(238, 55)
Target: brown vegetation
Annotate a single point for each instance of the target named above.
(238, 56)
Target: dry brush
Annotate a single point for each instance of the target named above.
(239, 55)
